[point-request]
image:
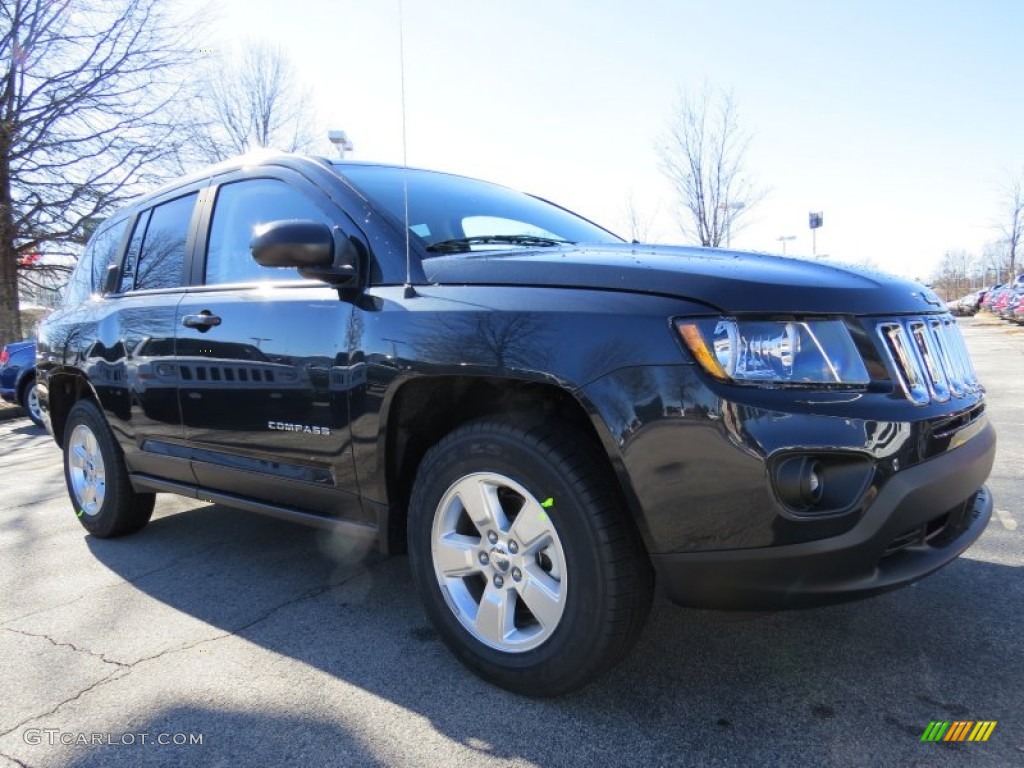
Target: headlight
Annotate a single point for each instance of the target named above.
(775, 351)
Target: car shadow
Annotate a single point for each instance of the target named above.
(188, 736)
(708, 685)
(28, 429)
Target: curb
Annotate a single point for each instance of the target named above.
(10, 413)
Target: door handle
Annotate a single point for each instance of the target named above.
(204, 321)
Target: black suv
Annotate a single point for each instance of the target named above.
(543, 416)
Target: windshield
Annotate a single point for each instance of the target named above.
(451, 214)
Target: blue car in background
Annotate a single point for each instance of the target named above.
(18, 377)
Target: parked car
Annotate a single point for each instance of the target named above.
(992, 295)
(1001, 301)
(545, 417)
(1018, 313)
(18, 377)
(1001, 298)
(1009, 305)
(965, 306)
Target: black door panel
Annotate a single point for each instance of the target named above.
(257, 397)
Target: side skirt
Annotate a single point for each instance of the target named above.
(154, 484)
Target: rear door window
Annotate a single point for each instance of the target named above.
(162, 257)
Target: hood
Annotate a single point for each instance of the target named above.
(729, 281)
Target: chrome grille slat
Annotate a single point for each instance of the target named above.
(963, 358)
(929, 358)
(904, 362)
(954, 375)
(938, 384)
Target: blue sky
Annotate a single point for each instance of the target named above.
(898, 120)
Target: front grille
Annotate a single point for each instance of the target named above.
(929, 358)
(939, 531)
(909, 538)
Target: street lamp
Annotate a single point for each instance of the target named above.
(727, 209)
(784, 239)
(340, 140)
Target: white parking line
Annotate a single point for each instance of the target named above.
(1006, 519)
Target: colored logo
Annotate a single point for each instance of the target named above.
(959, 730)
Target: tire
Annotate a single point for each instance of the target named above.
(97, 478)
(527, 565)
(30, 401)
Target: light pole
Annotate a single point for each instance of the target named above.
(728, 209)
(341, 141)
(785, 239)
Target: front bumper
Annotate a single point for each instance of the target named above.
(923, 518)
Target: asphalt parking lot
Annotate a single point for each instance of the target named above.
(274, 645)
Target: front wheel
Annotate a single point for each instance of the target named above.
(97, 478)
(525, 560)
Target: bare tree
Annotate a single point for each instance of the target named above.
(993, 262)
(639, 224)
(250, 99)
(494, 339)
(703, 153)
(955, 273)
(1011, 225)
(85, 91)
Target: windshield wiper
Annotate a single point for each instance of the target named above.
(462, 244)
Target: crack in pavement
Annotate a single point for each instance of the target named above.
(124, 669)
(117, 673)
(15, 761)
(312, 593)
(59, 644)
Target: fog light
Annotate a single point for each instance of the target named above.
(799, 482)
(828, 483)
(814, 486)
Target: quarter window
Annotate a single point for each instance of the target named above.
(241, 207)
(131, 259)
(90, 274)
(162, 258)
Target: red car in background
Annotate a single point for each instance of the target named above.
(1010, 304)
(1000, 301)
(1018, 313)
(990, 296)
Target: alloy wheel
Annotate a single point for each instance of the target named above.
(86, 470)
(499, 562)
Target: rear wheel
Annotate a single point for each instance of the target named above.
(30, 402)
(525, 560)
(97, 478)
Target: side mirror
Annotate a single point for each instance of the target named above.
(312, 247)
(293, 243)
